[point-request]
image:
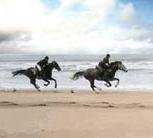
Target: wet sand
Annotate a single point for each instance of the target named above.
(82, 114)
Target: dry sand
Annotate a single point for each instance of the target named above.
(82, 114)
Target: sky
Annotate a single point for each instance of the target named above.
(76, 26)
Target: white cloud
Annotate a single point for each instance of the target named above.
(20, 15)
(100, 41)
(127, 13)
(62, 31)
(77, 22)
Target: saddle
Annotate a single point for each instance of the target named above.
(33, 70)
(99, 69)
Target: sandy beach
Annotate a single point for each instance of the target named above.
(82, 114)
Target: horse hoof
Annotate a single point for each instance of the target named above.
(72, 91)
(106, 85)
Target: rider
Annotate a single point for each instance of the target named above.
(42, 64)
(104, 64)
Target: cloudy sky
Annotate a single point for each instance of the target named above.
(76, 26)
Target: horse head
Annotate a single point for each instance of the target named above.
(55, 65)
(121, 66)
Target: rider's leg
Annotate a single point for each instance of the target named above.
(39, 69)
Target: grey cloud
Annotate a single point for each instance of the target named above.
(12, 42)
(14, 36)
(9, 48)
(138, 33)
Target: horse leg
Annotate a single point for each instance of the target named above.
(33, 81)
(108, 84)
(54, 81)
(116, 79)
(48, 82)
(92, 84)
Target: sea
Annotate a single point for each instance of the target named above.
(139, 75)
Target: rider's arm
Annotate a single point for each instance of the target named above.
(108, 62)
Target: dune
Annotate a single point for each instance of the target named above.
(81, 114)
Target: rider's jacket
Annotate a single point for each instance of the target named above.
(43, 63)
(104, 63)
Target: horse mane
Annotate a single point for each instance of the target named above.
(50, 63)
(114, 63)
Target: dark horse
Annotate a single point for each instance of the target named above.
(46, 74)
(93, 74)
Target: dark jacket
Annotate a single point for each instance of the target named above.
(104, 63)
(43, 63)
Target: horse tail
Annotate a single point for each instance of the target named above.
(19, 72)
(77, 75)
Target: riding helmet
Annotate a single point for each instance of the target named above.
(47, 57)
(108, 55)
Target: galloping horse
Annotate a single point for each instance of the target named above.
(93, 74)
(33, 74)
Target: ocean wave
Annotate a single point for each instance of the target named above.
(139, 75)
(75, 66)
